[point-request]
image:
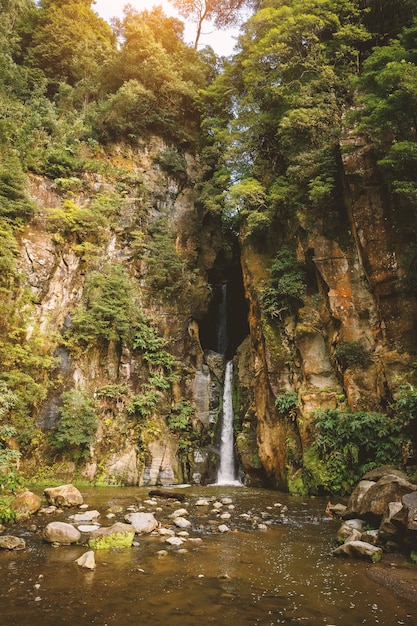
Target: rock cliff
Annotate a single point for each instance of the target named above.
(158, 420)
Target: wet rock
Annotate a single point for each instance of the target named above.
(9, 542)
(87, 560)
(181, 522)
(174, 541)
(348, 533)
(359, 549)
(60, 532)
(166, 532)
(65, 495)
(88, 516)
(223, 528)
(88, 528)
(143, 523)
(26, 504)
(203, 502)
(48, 510)
(356, 497)
(179, 513)
(117, 536)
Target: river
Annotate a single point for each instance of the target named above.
(282, 575)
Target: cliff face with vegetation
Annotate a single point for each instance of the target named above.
(134, 187)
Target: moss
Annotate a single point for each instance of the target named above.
(115, 540)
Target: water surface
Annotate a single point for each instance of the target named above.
(282, 575)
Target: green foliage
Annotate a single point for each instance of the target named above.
(351, 353)
(14, 201)
(286, 287)
(350, 444)
(405, 410)
(173, 163)
(108, 310)
(9, 478)
(113, 541)
(180, 422)
(287, 403)
(77, 425)
(166, 271)
(7, 514)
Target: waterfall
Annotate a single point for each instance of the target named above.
(226, 474)
(221, 322)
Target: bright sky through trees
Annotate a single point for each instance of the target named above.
(222, 41)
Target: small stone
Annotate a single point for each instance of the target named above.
(162, 553)
(223, 528)
(179, 513)
(262, 527)
(226, 501)
(182, 551)
(217, 505)
(181, 522)
(183, 533)
(87, 560)
(174, 541)
(88, 516)
(166, 532)
(225, 516)
(202, 502)
(88, 528)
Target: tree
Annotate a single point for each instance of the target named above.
(223, 13)
(69, 42)
(77, 425)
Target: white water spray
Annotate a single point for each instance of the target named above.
(226, 474)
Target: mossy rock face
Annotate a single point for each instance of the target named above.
(117, 536)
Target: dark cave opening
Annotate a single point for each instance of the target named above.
(228, 305)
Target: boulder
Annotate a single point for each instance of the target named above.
(359, 549)
(383, 470)
(356, 498)
(26, 504)
(142, 522)
(9, 542)
(387, 529)
(405, 518)
(60, 532)
(375, 497)
(117, 536)
(348, 533)
(87, 560)
(65, 495)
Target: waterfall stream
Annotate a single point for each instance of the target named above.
(227, 474)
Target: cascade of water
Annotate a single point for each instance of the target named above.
(226, 474)
(222, 339)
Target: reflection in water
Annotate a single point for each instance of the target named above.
(284, 575)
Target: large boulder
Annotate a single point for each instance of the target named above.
(26, 504)
(370, 499)
(60, 532)
(65, 495)
(9, 542)
(142, 523)
(117, 536)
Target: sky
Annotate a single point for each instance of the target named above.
(222, 42)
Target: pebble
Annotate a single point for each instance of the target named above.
(223, 528)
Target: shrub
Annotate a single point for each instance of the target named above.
(351, 353)
(287, 403)
(77, 425)
(350, 444)
(286, 287)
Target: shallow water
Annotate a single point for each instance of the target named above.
(284, 575)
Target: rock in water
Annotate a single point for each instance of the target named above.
(359, 549)
(9, 542)
(87, 560)
(65, 495)
(26, 503)
(117, 536)
(142, 522)
(60, 532)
